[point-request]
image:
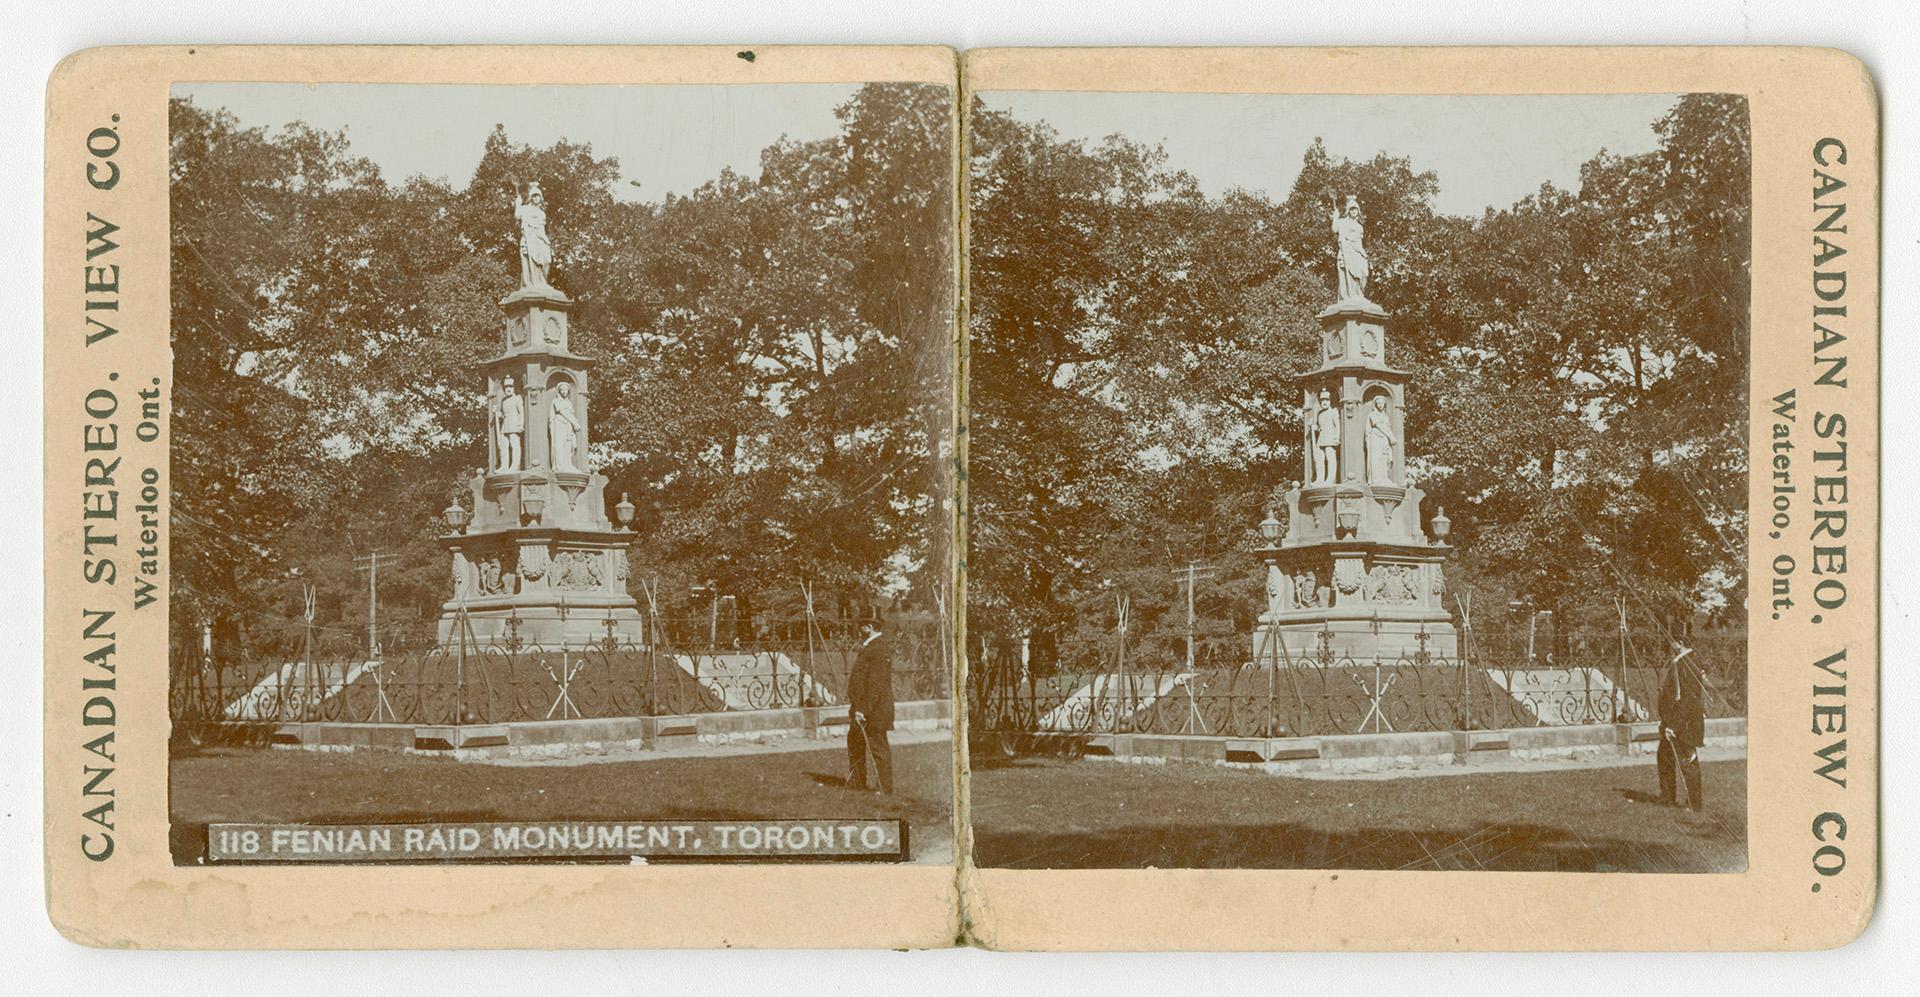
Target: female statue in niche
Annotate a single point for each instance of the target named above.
(563, 429)
(1379, 443)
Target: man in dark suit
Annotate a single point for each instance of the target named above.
(1683, 728)
(870, 709)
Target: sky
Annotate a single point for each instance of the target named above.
(670, 139)
(1487, 150)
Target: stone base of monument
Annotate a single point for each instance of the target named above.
(586, 735)
(1357, 640)
(1594, 745)
(550, 625)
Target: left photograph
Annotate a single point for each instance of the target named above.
(561, 473)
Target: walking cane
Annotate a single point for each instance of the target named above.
(1679, 773)
(866, 751)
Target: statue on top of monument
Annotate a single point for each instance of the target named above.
(536, 253)
(563, 429)
(1350, 261)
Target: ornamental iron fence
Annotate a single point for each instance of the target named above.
(279, 676)
(1145, 686)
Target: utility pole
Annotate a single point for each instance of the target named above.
(1193, 572)
(370, 563)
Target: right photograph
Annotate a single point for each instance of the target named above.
(1358, 482)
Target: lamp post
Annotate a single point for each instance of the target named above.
(1524, 604)
(711, 589)
(455, 517)
(1271, 530)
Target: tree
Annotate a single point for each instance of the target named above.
(766, 389)
(1575, 381)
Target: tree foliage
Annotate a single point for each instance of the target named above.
(772, 387)
(774, 368)
(1578, 365)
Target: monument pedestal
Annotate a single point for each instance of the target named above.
(540, 565)
(1354, 576)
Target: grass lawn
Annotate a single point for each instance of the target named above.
(275, 786)
(1058, 813)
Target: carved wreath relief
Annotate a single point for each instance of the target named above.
(1348, 575)
(533, 563)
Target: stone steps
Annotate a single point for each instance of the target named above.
(1567, 696)
(729, 676)
(1132, 692)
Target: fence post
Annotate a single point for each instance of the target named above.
(1126, 687)
(1620, 678)
(206, 665)
(649, 589)
(806, 590)
(1465, 602)
(219, 679)
(1273, 674)
(306, 657)
(462, 630)
(944, 631)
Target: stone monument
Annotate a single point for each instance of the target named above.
(537, 559)
(1352, 565)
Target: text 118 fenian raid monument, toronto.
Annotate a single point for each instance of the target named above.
(1353, 564)
(539, 563)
